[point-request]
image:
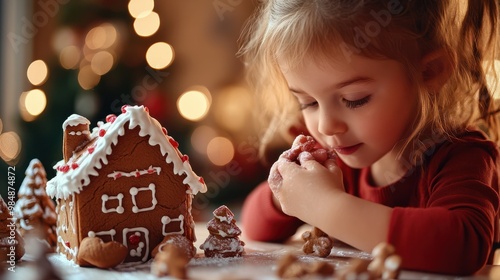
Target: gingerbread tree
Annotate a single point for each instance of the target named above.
(7, 239)
(35, 211)
(223, 241)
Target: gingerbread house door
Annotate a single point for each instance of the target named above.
(137, 242)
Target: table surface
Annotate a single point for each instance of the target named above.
(258, 262)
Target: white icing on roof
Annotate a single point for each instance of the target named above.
(76, 173)
(74, 120)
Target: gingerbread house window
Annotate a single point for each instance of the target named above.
(105, 235)
(137, 196)
(118, 198)
(166, 221)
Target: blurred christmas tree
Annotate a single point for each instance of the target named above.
(102, 54)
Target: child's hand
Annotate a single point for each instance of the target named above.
(304, 168)
(299, 186)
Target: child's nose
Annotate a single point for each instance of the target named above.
(330, 124)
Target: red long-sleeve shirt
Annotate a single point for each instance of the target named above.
(445, 212)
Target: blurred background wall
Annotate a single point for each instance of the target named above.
(178, 58)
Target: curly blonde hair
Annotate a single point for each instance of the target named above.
(404, 30)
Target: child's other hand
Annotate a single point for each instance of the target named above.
(298, 187)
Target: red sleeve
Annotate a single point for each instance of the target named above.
(454, 233)
(261, 221)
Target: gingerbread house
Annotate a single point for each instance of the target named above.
(125, 181)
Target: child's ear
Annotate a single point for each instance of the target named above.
(436, 70)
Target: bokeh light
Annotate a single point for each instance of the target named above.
(200, 138)
(96, 38)
(10, 146)
(220, 151)
(148, 25)
(69, 57)
(64, 37)
(37, 72)
(32, 103)
(233, 107)
(160, 55)
(88, 78)
(111, 35)
(140, 8)
(102, 62)
(193, 105)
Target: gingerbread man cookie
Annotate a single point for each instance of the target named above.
(171, 261)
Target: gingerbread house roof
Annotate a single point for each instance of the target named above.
(72, 176)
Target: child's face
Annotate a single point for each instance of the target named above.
(361, 108)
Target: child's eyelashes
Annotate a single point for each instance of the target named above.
(353, 104)
(304, 106)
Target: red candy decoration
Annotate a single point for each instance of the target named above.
(137, 174)
(134, 239)
(173, 142)
(201, 180)
(146, 109)
(64, 168)
(124, 108)
(164, 130)
(102, 132)
(184, 158)
(91, 149)
(110, 118)
(74, 165)
(67, 244)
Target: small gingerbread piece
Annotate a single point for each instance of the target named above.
(290, 267)
(385, 264)
(392, 267)
(178, 240)
(357, 269)
(317, 242)
(171, 261)
(223, 241)
(94, 252)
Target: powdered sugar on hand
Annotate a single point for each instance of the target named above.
(305, 148)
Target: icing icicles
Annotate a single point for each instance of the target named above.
(71, 180)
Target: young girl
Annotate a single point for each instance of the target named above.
(398, 90)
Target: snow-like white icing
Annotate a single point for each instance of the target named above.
(74, 120)
(72, 180)
(233, 246)
(134, 191)
(72, 251)
(227, 219)
(110, 232)
(78, 133)
(119, 209)
(136, 173)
